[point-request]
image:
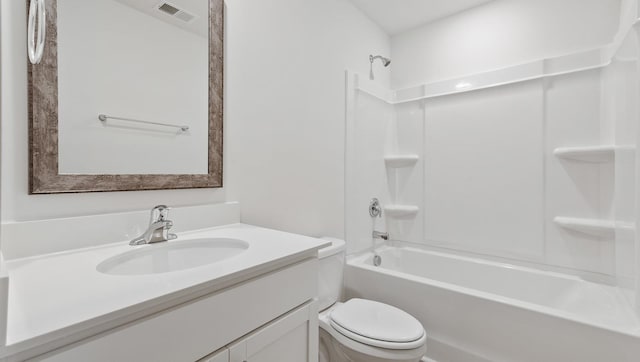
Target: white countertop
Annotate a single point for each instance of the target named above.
(60, 298)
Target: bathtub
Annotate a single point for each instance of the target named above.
(475, 310)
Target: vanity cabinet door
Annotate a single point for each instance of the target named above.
(290, 338)
(220, 356)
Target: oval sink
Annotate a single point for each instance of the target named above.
(172, 256)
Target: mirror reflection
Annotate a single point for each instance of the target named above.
(133, 87)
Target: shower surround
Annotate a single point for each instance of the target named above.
(531, 166)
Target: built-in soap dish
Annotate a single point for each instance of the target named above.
(401, 211)
(593, 154)
(594, 227)
(399, 161)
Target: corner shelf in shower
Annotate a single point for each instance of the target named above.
(593, 227)
(401, 211)
(592, 154)
(399, 161)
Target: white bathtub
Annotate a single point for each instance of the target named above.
(474, 310)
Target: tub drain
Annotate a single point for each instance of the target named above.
(377, 260)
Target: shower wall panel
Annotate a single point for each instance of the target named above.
(573, 188)
(406, 183)
(368, 138)
(488, 181)
(483, 171)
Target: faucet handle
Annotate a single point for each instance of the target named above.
(159, 213)
(168, 224)
(375, 210)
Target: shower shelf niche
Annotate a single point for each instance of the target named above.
(592, 154)
(399, 161)
(401, 211)
(594, 227)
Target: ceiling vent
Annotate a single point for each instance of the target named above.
(175, 12)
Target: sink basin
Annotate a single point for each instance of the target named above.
(172, 256)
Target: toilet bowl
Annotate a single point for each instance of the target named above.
(361, 330)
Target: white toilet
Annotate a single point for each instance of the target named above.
(361, 330)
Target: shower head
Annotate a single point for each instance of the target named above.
(385, 61)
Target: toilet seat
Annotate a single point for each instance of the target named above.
(377, 324)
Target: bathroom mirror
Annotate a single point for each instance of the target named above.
(128, 95)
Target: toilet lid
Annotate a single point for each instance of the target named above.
(377, 321)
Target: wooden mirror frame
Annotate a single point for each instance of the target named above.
(44, 177)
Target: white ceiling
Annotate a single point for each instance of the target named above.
(199, 8)
(398, 16)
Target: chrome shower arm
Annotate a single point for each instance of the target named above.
(372, 58)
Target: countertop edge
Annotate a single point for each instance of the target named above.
(92, 327)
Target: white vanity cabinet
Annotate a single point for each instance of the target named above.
(271, 317)
(291, 338)
(220, 356)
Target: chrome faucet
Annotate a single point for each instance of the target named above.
(158, 230)
(380, 235)
(377, 259)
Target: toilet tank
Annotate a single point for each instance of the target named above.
(332, 260)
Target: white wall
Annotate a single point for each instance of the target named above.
(103, 69)
(284, 117)
(286, 104)
(500, 34)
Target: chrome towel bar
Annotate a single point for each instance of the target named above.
(104, 118)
